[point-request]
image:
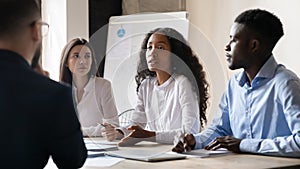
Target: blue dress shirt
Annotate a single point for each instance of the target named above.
(265, 114)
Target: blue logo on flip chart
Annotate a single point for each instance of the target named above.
(121, 32)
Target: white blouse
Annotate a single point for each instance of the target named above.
(96, 106)
(168, 108)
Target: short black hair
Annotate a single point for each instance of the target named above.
(266, 24)
(15, 13)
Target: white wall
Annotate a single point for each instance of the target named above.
(142, 6)
(215, 17)
(67, 19)
(77, 19)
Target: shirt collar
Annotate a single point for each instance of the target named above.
(12, 56)
(88, 86)
(267, 71)
(166, 83)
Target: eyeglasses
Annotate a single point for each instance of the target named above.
(44, 27)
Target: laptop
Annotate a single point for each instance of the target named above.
(145, 155)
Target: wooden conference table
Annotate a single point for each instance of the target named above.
(228, 161)
(232, 161)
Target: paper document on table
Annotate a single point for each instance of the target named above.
(90, 140)
(206, 153)
(99, 146)
(104, 161)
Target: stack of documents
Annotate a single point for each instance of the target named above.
(93, 145)
(97, 150)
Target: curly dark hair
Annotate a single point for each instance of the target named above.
(183, 62)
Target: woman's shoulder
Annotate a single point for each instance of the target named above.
(180, 78)
(148, 82)
(148, 79)
(101, 82)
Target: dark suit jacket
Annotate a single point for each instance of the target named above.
(37, 119)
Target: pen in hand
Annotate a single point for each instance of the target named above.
(108, 131)
(103, 125)
(107, 125)
(179, 138)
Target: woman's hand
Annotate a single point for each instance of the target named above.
(138, 134)
(110, 133)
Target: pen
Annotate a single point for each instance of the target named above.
(179, 137)
(103, 125)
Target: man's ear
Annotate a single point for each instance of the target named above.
(36, 31)
(254, 45)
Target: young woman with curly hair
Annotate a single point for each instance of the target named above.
(171, 87)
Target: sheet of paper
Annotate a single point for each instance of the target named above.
(93, 145)
(100, 147)
(101, 161)
(104, 161)
(91, 140)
